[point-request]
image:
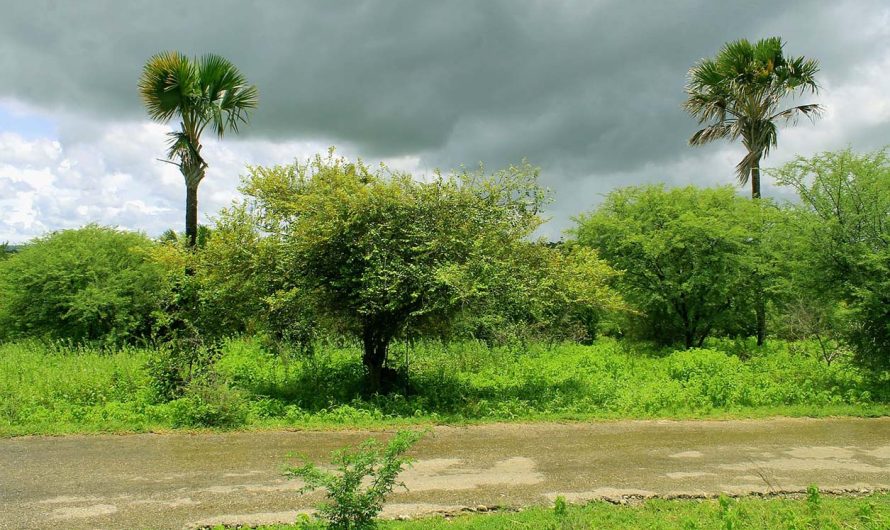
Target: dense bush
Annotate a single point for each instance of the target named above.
(689, 258)
(842, 260)
(93, 283)
(54, 389)
(208, 403)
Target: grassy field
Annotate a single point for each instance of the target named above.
(52, 389)
(815, 511)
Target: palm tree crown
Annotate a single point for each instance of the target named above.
(737, 94)
(202, 92)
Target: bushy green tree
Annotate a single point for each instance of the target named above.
(378, 252)
(93, 283)
(686, 256)
(844, 242)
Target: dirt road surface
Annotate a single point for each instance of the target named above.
(186, 481)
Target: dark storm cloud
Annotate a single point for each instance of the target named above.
(589, 90)
(593, 84)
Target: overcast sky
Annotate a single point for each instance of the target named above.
(590, 91)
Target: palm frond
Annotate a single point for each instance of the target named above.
(712, 132)
(743, 169)
(167, 83)
(791, 115)
(185, 150)
(227, 95)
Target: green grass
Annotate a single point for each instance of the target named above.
(814, 512)
(46, 389)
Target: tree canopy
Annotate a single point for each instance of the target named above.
(201, 92)
(381, 252)
(738, 94)
(845, 235)
(686, 256)
(93, 283)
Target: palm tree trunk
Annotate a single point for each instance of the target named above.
(759, 300)
(755, 179)
(191, 213)
(193, 177)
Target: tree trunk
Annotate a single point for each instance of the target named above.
(688, 339)
(755, 179)
(759, 302)
(760, 309)
(193, 177)
(191, 214)
(375, 344)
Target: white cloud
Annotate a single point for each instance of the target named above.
(116, 179)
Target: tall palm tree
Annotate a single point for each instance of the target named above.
(207, 90)
(738, 94)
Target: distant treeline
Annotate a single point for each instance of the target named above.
(334, 249)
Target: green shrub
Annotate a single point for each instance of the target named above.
(711, 375)
(93, 283)
(175, 364)
(208, 403)
(365, 476)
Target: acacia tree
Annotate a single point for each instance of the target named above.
(685, 256)
(201, 92)
(738, 94)
(378, 253)
(843, 254)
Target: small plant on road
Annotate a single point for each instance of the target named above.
(363, 477)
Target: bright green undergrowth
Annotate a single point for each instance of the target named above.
(812, 512)
(56, 389)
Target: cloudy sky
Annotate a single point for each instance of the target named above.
(590, 91)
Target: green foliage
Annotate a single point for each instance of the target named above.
(222, 284)
(814, 506)
(379, 254)
(208, 403)
(93, 283)
(842, 259)
(540, 293)
(177, 363)
(52, 389)
(560, 507)
(871, 512)
(688, 257)
(365, 476)
(738, 93)
(61, 387)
